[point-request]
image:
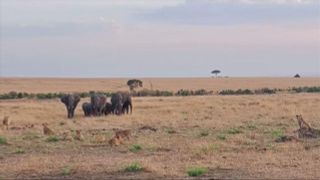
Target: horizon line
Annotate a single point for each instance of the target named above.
(146, 77)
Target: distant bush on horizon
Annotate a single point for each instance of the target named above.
(163, 93)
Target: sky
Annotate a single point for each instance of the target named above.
(159, 38)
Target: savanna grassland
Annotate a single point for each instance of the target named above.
(46, 85)
(218, 136)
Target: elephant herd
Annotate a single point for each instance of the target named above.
(121, 103)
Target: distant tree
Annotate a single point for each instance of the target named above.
(297, 76)
(216, 72)
(134, 83)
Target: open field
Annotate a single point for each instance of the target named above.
(229, 136)
(45, 85)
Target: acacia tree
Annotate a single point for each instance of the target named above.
(297, 76)
(216, 72)
(134, 83)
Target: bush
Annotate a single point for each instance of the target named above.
(196, 171)
(200, 92)
(306, 89)
(147, 92)
(265, 91)
(159, 93)
(84, 94)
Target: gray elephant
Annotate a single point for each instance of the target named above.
(71, 101)
(121, 103)
(107, 109)
(87, 109)
(116, 103)
(127, 103)
(98, 102)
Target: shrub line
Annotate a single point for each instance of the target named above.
(159, 93)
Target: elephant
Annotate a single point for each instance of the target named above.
(127, 102)
(107, 108)
(121, 102)
(98, 102)
(87, 109)
(116, 103)
(71, 101)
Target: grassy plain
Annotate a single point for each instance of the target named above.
(215, 136)
(47, 85)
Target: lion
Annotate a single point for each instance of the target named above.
(47, 130)
(123, 134)
(79, 135)
(115, 141)
(66, 136)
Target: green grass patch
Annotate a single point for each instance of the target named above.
(170, 130)
(19, 151)
(66, 171)
(135, 148)
(276, 133)
(196, 171)
(233, 131)
(204, 133)
(222, 136)
(52, 139)
(133, 167)
(3, 140)
(251, 126)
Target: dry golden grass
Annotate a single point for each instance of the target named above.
(232, 136)
(188, 135)
(43, 85)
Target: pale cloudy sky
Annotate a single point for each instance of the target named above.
(162, 38)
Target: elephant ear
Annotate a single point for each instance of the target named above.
(64, 99)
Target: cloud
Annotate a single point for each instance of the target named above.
(227, 12)
(264, 1)
(55, 29)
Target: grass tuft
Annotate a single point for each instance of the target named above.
(251, 126)
(277, 133)
(3, 140)
(52, 139)
(221, 136)
(170, 130)
(19, 151)
(234, 131)
(66, 171)
(204, 133)
(134, 167)
(135, 148)
(196, 171)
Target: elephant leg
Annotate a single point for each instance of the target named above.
(130, 108)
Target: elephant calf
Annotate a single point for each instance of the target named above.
(87, 109)
(107, 109)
